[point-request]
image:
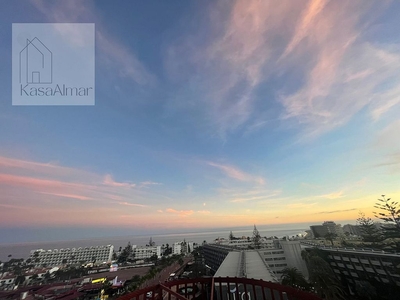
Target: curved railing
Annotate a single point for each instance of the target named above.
(219, 288)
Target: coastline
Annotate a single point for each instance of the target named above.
(22, 249)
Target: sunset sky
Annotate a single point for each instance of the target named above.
(208, 114)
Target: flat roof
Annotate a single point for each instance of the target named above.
(230, 265)
(247, 264)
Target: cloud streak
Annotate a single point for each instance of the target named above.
(237, 174)
(182, 213)
(115, 55)
(255, 44)
(336, 211)
(53, 187)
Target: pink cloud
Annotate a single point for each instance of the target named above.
(183, 213)
(108, 180)
(72, 196)
(131, 204)
(237, 174)
(345, 72)
(50, 187)
(34, 183)
(305, 24)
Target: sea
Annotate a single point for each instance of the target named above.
(22, 250)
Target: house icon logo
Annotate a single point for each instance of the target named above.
(35, 63)
(53, 64)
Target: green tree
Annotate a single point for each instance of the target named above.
(256, 238)
(154, 259)
(231, 237)
(151, 243)
(321, 276)
(126, 254)
(369, 231)
(330, 236)
(294, 278)
(390, 215)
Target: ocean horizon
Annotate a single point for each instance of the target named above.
(22, 249)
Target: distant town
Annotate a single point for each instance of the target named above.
(359, 255)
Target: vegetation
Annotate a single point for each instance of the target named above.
(369, 230)
(256, 238)
(330, 237)
(321, 276)
(164, 262)
(126, 255)
(386, 237)
(389, 213)
(294, 278)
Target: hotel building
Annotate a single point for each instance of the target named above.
(71, 256)
(359, 265)
(275, 256)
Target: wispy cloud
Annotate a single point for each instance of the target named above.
(53, 187)
(261, 196)
(336, 211)
(305, 24)
(301, 205)
(204, 212)
(72, 196)
(131, 204)
(253, 42)
(332, 196)
(346, 72)
(108, 180)
(115, 55)
(387, 148)
(237, 174)
(183, 213)
(235, 58)
(148, 183)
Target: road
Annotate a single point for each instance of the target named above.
(164, 274)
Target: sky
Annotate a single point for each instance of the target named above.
(207, 114)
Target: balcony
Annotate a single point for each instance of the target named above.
(370, 270)
(222, 288)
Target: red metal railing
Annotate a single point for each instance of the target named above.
(219, 288)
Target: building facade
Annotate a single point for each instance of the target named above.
(147, 252)
(359, 265)
(182, 247)
(352, 229)
(278, 255)
(71, 256)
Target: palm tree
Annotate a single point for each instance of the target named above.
(294, 278)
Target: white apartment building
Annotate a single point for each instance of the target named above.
(182, 247)
(146, 252)
(245, 243)
(177, 248)
(81, 255)
(276, 254)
